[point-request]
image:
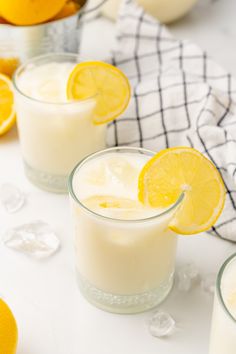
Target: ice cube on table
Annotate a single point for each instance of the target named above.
(186, 276)
(161, 324)
(11, 197)
(36, 239)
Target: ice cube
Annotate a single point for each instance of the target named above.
(187, 276)
(11, 197)
(161, 324)
(208, 283)
(36, 239)
(121, 171)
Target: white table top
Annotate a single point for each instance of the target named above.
(52, 316)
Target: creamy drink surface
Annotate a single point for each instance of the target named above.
(122, 247)
(109, 186)
(46, 82)
(54, 133)
(223, 332)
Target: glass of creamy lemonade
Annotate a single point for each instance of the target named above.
(128, 205)
(55, 132)
(223, 331)
(125, 252)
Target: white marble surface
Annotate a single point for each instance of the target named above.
(52, 316)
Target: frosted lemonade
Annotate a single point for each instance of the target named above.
(128, 206)
(60, 123)
(223, 331)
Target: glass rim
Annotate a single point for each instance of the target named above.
(218, 285)
(38, 58)
(107, 218)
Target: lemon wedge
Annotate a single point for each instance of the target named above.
(105, 83)
(183, 170)
(8, 65)
(8, 330)
(7, 112)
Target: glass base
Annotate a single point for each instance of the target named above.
(125, 304)
(46, 181)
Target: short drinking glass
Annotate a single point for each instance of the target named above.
(223, 328)
(125, 253)
(54, 133)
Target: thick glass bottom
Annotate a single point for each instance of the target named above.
(46, 181)
(125, 304)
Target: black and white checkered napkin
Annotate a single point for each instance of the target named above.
(180, 97)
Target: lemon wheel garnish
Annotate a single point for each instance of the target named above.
(8, 330)
(7, 112)
(184, 170)
(105, 83)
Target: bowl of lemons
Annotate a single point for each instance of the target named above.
(30, 28)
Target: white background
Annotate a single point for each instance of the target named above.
(52, 316)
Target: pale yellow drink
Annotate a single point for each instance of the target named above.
(165, 11)
(54, 133)
(125, 252)
(223, 332)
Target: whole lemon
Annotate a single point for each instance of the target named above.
(8, 330)
(29, 12)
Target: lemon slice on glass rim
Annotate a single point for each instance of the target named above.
(106, 83)
(178, 170)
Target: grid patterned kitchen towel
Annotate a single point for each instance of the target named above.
(180, 97)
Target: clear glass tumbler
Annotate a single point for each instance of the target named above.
(123, 266)
(223, 328)
(54, 136)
